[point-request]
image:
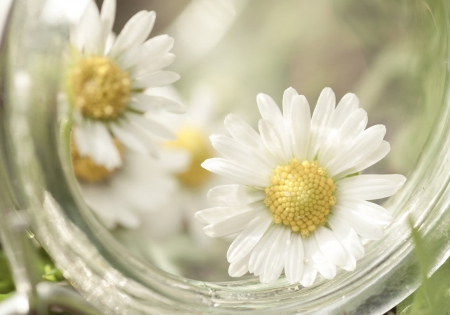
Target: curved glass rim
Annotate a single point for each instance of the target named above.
(95, 263)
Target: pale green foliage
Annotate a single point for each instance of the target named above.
(433, 296)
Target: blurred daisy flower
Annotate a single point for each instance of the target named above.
(300, 203)
(125, 196)
(191, 130)
(106, 81)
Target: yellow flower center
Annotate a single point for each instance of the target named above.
(87, 170)
(197, 144)
(100, 89)
(300, 196)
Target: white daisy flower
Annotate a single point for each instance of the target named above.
(106, 81)
(300, 203)
(191, 130)
(126, 196)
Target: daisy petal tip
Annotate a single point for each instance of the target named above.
(206, 164)
(114, 165)
(290, 90)
(262, 98)
(400, 180)
(327, 90)
(214, 137)
(199, 217)
(352, 96)
(210, 192)
(176, 77)
(209, 231)
(229, 119)
(381, 128)
(327, 93)
(299, 99)
(307, 282)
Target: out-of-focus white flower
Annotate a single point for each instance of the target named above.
(300, 203)
(126, 196)
(192, 131)
(106, 80)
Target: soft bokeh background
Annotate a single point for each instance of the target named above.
(387, 52)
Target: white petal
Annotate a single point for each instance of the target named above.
(294, 259)
(151, 65)
(350, 264)
(348, 104)
(89, 129)
(398, 179)
(234, 195)
(241, 154)
(146, 139)
(236, 172)
(258, 257)
(239, 268)
(288, 97)
(309, 271)
(272, 141)
(108, 208)
(150, 126)
(156, 79)
(322, 264)
(248, 238)
(107, 17)
(110, 39)
(217, 214)
(235, 223)
(154, 49)
(158, 46)
(340, 138)
(358, 149)
(135, 31)
(89, 30)
(263, 256)
(382, 150)
(330, 247)
(301, 125)
(347, 236)
(129, 58)
(366, 187)
(145, 103)
(132, 139)
(353, 125)
(361, 224)
(373, 211)
(242, 132)
(82, 139)
(271, 112)
(106, 152)
(320, 121)
(276, 257)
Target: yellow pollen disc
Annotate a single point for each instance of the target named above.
(197, 144)
(99, 88)
(300, 196)
(86, 170)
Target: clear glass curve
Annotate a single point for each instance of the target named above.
(37, 171)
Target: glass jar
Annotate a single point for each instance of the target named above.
(36, 176)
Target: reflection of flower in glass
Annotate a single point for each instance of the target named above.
(300, 203)
(106, 81)
(127, 195)
(192, 130)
